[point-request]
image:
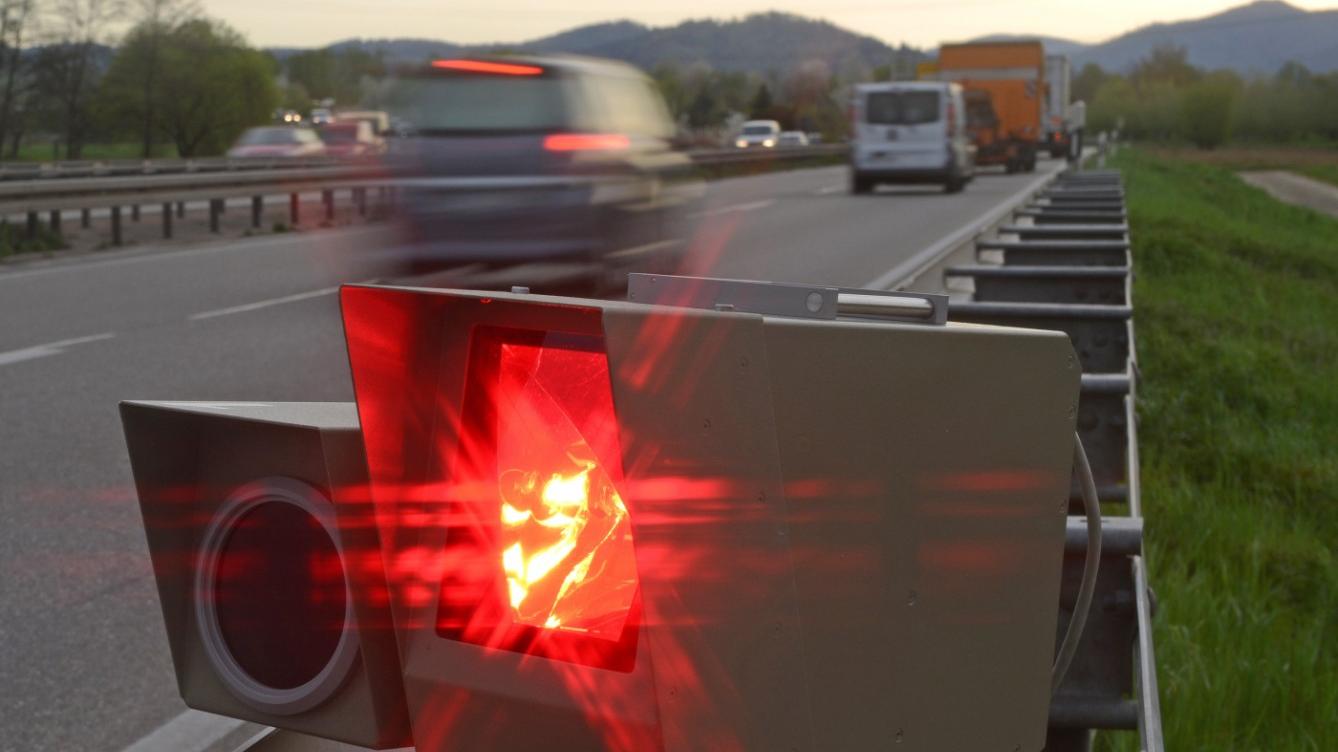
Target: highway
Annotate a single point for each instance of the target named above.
(82, 649)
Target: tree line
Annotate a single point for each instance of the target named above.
(1165, 98)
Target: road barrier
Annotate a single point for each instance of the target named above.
(1061, 259)
(51, 190)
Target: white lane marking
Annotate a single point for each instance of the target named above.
(647, 248)
(917, 264)
(829, 189)
(191, 731)
(160, 254)
(50, 348)
(263, 304)
(733, 208)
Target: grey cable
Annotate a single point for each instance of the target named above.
(1092, 507)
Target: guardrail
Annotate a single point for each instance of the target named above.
(83, 187)
(88, 168)
(1059, 256)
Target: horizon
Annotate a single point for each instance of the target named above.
(474, 23)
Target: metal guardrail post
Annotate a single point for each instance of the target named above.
(214, 211)
(116, 225)
(257, 211)
(327, 198)
(32, 225)
(85, 218)
(167, 220)
(294, 208)
(134, 212)
(55, 221)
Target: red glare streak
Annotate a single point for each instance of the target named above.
(484, 66)
(564, 142)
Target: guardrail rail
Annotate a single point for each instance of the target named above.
(1062, 260)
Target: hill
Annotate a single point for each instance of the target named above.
(1255, 38)
(759, 43)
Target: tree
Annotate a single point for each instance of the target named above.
(762, 105)
(1088, 82)
(68, 69)
(15, 16)
(212, 86)
(1207, 110)
(333, 73)
(1166, 65)
(157, 19)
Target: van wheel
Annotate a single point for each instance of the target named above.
(859, 184)
(955, 184)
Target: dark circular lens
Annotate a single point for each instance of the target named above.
(279, 595)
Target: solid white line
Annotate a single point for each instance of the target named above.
(263, 304)
(750, 206)
(191, 731)
(647, 248)
(829, 189)
(917, 263)
(50, 348)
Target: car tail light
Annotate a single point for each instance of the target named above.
(586, 142)
(540, 557)
(485, 66)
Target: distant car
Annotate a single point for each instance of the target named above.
(792, 138)
(350, 139)
(292, 117)
(321, 116)
(518, 159)
(278, 141)
(910, 132)
(758, 134)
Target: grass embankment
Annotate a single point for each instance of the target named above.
(1318, 162)
(91, 152)
(1237, 319)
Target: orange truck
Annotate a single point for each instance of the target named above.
(1012, 76)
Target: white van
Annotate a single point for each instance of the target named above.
(910, 132)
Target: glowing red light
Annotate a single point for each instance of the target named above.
(484, 66)
(587, 142)
(544, 562)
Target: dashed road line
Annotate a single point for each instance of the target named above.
(49, 348)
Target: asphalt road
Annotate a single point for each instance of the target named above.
(84, 663)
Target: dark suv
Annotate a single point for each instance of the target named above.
(519, 159)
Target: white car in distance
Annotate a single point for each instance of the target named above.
(754, 134)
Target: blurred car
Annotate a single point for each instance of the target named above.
(278, 141)
(520, 159)
(792, 138)
(347, 139)
(758, 133)
(321, 116)
(291, 117)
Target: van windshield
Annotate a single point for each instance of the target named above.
(902, 107)
(758, 130)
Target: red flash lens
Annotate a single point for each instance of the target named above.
(548, 527)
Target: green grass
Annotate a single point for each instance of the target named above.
(29, 152)
(1327, 173)
(1236, 307)
(14, 240)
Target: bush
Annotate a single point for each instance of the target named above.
(1207, 111)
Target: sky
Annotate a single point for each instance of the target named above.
(921, 23)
